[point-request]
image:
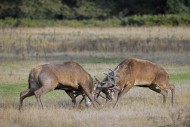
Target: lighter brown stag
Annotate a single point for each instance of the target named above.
(69, 76)
(137, 72)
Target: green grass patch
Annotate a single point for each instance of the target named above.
(180, 77)
(12, 91)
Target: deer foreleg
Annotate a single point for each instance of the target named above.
(73, 98)
(121, 93)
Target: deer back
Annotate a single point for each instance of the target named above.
(69, 74)
(139, 72)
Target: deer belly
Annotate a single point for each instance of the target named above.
(140, 82)
(70, 84)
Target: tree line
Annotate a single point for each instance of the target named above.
(89, 9)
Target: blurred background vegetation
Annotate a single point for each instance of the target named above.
(97, 12)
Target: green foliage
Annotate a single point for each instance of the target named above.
(89, 9)
(141, 7)
(168, 20)
(9, 8)
(145, 20)
(178, 6)
(67, 12)
(88, 12)
(40, 9)
(10, 22)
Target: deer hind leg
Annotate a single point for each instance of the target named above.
(38, 94)
(157, 89)
(23, 95)
(165, 94)
(172, 88)
(121, 93)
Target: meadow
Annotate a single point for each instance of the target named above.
(97, 50)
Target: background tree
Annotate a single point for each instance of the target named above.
(9, 8)
(40, 9)
(89, 9)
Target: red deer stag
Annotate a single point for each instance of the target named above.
(69, 76)
(137, 72)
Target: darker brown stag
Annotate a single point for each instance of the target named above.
(69, 76)
(137, 72)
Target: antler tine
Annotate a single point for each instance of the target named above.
(111, 70)
(114, 72)
(107, 82)
(102, 96)
(115, 88)
(109, 75)
(97, 80)
(117, 68)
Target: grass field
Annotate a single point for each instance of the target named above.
(140, 107)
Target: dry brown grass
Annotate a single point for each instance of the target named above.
(36, 41)
(68, 33)
(139, 107)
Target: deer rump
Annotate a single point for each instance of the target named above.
(69, 76)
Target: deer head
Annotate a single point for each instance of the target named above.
(108, 86)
